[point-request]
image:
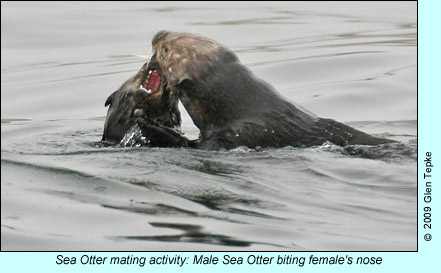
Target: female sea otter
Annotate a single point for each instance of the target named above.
(143, 112)
(231, 106)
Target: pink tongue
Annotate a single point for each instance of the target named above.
(154, 82)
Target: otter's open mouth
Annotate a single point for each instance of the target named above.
(152, 82)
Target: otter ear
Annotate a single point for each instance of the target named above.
(109, 99)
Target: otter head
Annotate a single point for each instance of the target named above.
(146, 96)
(187, 56)
(191, 63)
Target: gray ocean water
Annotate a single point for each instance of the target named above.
(355, 62)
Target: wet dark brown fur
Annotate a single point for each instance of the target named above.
(157, 115)
(232, 107)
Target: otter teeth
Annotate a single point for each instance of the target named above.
(143, 88)
(149, 91)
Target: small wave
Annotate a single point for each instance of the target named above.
(386, 152)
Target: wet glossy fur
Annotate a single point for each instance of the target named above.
(157, 115)
(232, 107)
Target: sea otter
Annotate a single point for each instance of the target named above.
(231, 106)
(143, 112)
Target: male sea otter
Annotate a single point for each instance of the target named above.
(143, 112)
(231, 106)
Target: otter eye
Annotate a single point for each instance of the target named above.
(165, 50)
